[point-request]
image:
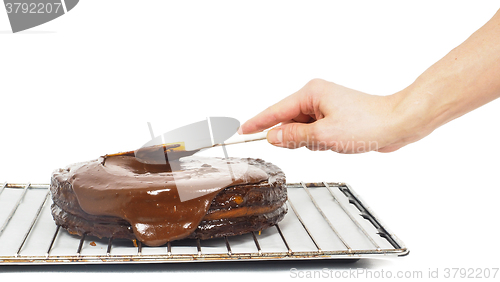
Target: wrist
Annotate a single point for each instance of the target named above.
(414, 114)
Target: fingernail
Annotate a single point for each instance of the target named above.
(275, 136)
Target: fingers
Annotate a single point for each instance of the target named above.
(291, 135)
(286, 109)
(297, 107)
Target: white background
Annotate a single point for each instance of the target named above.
(86, 84)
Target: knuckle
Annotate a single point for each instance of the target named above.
(290, 136)
(322, 138)
(290, 132)
(315, 131)
(316, 82)
(316, 85)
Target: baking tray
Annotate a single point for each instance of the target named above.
(325, 220)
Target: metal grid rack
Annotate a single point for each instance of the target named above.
(325, 221)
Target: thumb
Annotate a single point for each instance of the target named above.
(291, 135)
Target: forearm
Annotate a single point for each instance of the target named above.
(465, 79)
(325, 116)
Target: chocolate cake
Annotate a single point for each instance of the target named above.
(119, 196)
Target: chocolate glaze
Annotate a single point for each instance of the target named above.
(161, 205)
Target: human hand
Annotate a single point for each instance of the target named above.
(326, 116)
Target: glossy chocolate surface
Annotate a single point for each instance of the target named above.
(161, 205)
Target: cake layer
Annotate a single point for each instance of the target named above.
(206, 229)
(127, 199)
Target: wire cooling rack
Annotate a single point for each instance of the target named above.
(325, 220)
